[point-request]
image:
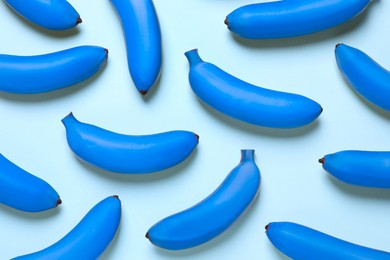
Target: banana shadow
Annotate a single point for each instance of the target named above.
(50, 33)
(30, 215)
(279, 254)
(330, 33)
(107, 254)
(360, 192)
(56, 94)
(270, 132)
(139, 178)
(228, 234)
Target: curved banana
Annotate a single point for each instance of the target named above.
(143, 41)
(282, 19)
(364, 75)
(214, 214)
(300, 242)
(49, 14)
(362, 168)
(24, 191)
(125, 153)
(89, 238)
(48, 72)
(246, 102)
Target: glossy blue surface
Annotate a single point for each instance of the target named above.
(128, 153)
(282, 19)
(24, 191)
(89, 238)
(48, 72)
(49, 14)
(303, 243)
(214, 214)
(367, 77)
(143, 41)
(247, 102)
(362, 168)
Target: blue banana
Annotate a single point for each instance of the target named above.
(126, 153)
(89, 238)
(24, 191)
(49, 14)
(246, 102)
(143, 41)
(214, 214)
(301, 243)
(282, 19)
(364, 75)
(361, 168)
(48, 72)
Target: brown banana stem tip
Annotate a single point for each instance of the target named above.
(226, 22)
(116, 196)
(267, 227)
(197, 136)
(78, 20)
(147, 235)
(322, 160)
(106, 56)
(143, 92)
(59, 201)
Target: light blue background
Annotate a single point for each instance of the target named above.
(294, 186)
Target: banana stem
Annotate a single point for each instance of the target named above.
(193, 57)
(247, 155)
